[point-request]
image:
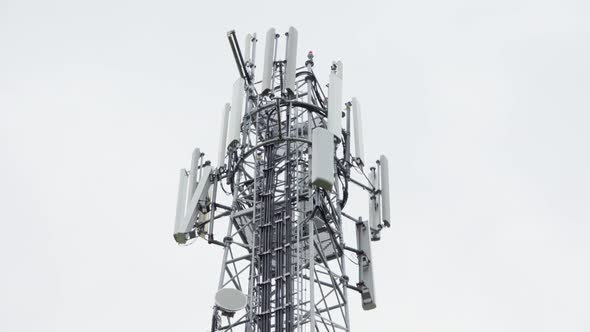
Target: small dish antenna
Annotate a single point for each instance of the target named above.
(230, 300)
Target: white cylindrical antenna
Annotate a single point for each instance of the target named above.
(248, 48)
(192, 175)
(223, 135)
(180, 204)
(237, 105)
(335, 100)
(269, 51)
(359, 149)
(385, 211)
(291, 67)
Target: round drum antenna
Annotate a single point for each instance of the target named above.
(230, 300)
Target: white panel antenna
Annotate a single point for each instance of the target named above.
(377, 184)
(335, 100)
(187, 223)
(223, 135)
(358, 130)
(366, 280)
(291, 67)
(180, 202)
(254, 42)
(322, 158)
(237, 105)
(192, 175)
(252, 56)
(374, 212)
(248, 48)
(269, 52)
(385, 208)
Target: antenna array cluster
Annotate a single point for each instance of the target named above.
(276, 199)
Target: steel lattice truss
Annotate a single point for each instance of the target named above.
(282, 235)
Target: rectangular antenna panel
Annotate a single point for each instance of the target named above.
(237, 105)
(192, 175)
(377, 184)
(335, 100)
(254, 42)
(374, 213)
(322, 158)
(269, 51)
(291, 60)
(223, 135)
(200, 196)
(366, 281)
(248, 48)
(358, 130)
(385, 209)
(181, 200)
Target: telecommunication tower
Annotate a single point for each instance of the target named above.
(275, 200)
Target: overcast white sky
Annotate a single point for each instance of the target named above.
(483, 109)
